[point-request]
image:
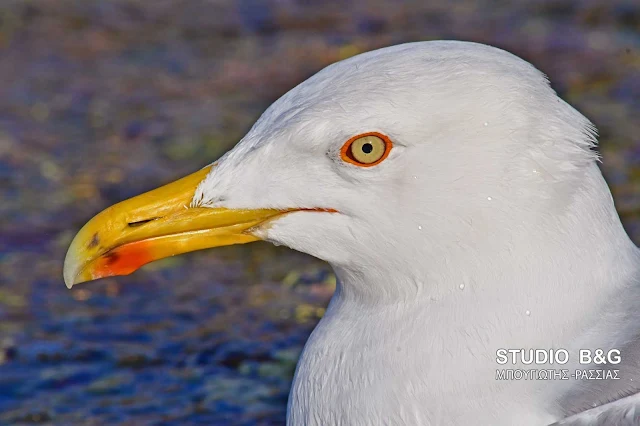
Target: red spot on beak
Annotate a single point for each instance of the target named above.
(123, 260)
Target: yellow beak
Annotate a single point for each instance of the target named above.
(154, 225)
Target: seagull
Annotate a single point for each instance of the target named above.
(475, 242)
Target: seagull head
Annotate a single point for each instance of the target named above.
(399, 159)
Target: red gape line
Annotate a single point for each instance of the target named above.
(318, 209)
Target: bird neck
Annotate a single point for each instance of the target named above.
(428, 330)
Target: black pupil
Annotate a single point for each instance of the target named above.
(367, 148)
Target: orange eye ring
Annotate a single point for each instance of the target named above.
(374, 145)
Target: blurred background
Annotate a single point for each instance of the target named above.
(102, 100)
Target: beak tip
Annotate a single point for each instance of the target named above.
(70, 268)
(68, 275)
(72, 277)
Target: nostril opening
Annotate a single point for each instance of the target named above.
(140, 222)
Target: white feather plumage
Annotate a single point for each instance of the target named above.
(489, 206)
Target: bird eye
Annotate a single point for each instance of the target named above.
(367, 149)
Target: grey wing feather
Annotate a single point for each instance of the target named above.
(622, 412)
